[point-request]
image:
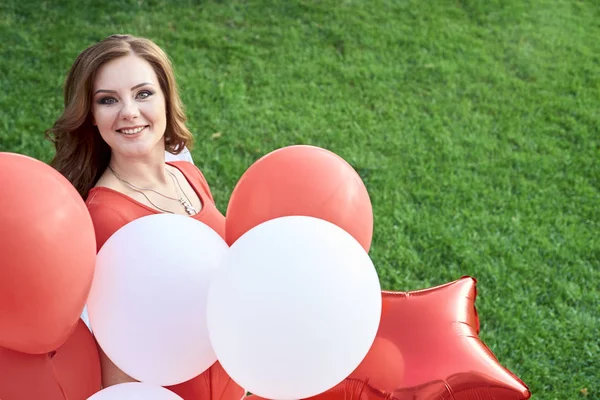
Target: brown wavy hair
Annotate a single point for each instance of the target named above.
(81, 153)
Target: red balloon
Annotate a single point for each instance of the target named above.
(212, 384)
(427, 347)
(301, 180)
(71, 372)
(383, 357)
(47, 255)
(436, 332)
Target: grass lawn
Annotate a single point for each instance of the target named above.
(474, 124)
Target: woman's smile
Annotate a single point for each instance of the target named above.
(132, 131)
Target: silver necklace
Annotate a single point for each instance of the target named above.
(185, 202)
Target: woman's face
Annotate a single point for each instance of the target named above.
(128, 107)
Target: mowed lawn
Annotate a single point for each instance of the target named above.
(474, 125)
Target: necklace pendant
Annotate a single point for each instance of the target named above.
(188, 207)
(190, 210)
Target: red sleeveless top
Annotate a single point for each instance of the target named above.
(111, 210)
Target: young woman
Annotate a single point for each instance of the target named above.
(122, 115)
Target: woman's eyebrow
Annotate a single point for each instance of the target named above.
(114, 91)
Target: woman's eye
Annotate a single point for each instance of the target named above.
(107, 100)
(144, 94)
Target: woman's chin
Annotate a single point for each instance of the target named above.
(139, 150)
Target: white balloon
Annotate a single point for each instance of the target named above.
(147, 304)
(294, 308)
(134, 391)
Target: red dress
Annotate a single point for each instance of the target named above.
(111, 210)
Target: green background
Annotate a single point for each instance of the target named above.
(474, 125)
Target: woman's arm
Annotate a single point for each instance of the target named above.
(106, 222)
(111, 374)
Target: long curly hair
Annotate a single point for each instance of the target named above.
(81, 153)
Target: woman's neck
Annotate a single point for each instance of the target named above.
(142, 172)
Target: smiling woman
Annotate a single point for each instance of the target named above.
(122, 115)
(111, 86)
(131, 120)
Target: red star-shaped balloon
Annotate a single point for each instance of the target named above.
(428, 348)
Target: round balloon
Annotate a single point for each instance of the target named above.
(47, 255)
(134, 391)
(147, 305)
(72, 371)
(294, 308)
(301, 180)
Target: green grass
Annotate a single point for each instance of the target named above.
(474, 124)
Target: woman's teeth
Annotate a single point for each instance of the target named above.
(132, 131)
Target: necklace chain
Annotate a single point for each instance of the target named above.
(185, 202)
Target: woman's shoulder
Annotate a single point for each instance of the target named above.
(109, 211)
(187, 168)
(103, 198)
(193, 175)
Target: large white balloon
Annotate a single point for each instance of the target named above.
(147, 304)
(294, 308)
(134, 391)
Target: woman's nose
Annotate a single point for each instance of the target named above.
(129, 110)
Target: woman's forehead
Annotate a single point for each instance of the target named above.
(124, 73)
